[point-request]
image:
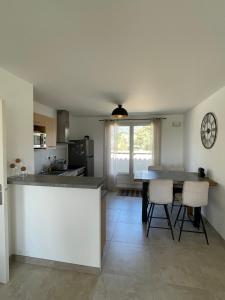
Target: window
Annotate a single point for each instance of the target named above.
(120, 150)
(131, 148)
(142, 147)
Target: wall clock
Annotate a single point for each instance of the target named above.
(209, 130)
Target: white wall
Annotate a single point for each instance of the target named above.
(172, 139)
(18, 95)
(212, 160)
(41, 156)
(44, 110)
(56, 223)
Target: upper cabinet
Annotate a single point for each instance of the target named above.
(48, 125)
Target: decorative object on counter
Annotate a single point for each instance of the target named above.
(13, 168)
(201, 172)
(17, 168)
(23, 170)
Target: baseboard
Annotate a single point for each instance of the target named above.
(210, 224)
(54, 264)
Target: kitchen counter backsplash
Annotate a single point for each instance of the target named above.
(41, 156)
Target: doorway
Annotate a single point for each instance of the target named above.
(131, 150)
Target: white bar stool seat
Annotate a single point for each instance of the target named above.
(160, 193)
(195, 194)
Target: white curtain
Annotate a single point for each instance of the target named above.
(110, 157)
(157, 142)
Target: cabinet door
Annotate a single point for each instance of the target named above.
(51, 132)
(39, 120)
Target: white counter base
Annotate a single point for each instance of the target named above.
(55, 223)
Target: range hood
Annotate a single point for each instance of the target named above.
(63, 126)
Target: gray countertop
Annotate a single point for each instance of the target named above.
(58, 181)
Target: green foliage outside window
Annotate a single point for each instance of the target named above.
(143, 139)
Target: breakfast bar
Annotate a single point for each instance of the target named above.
(58, 219)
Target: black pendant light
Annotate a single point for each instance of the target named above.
(119, 112)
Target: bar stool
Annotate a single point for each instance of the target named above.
(195, 194)
(160, 193)
(177, 187)
(153, 168)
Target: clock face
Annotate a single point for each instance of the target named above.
(209, 130)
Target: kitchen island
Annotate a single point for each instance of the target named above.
(57, 220)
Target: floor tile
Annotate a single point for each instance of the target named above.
(133, 266)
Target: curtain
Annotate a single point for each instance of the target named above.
(110, 157)
(156, 142)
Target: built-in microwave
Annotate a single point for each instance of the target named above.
(39, 140)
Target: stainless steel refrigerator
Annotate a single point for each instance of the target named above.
(81, 153)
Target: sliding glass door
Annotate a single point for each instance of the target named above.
(142, 154)
(120, 149)
(131, 148)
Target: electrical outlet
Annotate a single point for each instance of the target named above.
(176, 124)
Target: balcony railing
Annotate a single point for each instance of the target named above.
(141, 161)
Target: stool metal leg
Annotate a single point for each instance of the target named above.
(171, 211)
(203, 226)
(150, 220)
(182, 224)
(149, 211)
(177, 216)
(169, 221)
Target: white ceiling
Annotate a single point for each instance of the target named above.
(85, 55)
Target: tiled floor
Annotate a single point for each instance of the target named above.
(134, 267)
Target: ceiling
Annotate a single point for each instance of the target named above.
(154, 56)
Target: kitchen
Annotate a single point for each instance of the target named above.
(55, 153)
(157, 61)
(64, 179)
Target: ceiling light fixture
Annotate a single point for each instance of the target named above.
(119, 112)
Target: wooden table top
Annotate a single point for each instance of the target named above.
(176, 176)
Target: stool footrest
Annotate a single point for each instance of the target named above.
(159, 227)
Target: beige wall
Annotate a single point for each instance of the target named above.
(212, 160)
(18, 96)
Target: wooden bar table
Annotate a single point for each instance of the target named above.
(178, 177)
